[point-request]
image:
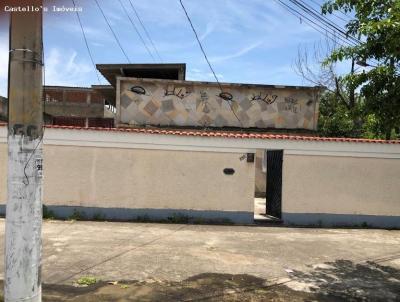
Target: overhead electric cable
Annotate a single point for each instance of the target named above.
(86, 43)
(145, 30)
(323, 20)
(317, 21)
(314, 25)
(137, 31)
(342, 34)
(208, 62)
(333, 14)
(201, 46)
(115, 36)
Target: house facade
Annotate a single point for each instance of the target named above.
(202, 150)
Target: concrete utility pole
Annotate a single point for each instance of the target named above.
(22, 280)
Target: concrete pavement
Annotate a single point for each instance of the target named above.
(151, 253)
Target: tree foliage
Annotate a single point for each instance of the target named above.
(338, 120)
(376, 24)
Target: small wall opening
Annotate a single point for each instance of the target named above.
(274, 183)
(268, 195)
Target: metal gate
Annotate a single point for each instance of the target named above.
(274, 183)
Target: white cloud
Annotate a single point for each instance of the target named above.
(93, 34)
(209, 29)
(63, 68)
(195, 74)
(236, 54)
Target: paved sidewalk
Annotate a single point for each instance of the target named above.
(303, 259)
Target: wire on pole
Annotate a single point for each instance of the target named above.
(136, 30)
(145, 30)
(225, 96)
(86, 43)
(112, 31)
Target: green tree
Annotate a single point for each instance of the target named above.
(335, 118)
(377, 25)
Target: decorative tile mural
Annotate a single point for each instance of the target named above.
(203, 104)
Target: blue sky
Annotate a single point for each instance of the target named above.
(248, 41)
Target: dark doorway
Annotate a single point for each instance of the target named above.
(274, 183)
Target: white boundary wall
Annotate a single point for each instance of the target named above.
(323, 182)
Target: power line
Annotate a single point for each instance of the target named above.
(136, 30)
(86, 43)
(115, 36)
(323, 22)
(340, 18)
(201, 46)
(145, 30)
(324, 31)
(316, 15)
(222, 94)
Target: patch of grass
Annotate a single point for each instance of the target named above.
(76, 215)
(124, 286)
(217, 221)
(86, 281)
(178, 218)
(364, 225)
(225, 221)
(199, 220)
(144, 218)
(183, 219)
(48, 214)
(99, 216)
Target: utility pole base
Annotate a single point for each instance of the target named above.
(22, 280)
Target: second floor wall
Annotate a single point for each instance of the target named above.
(201, 104)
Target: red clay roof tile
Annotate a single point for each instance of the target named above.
(226, 134)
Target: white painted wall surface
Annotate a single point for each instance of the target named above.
(132, 178)
(341, 185)
(343, 178)
(137, 178)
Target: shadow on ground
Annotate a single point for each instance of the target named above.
(342, 280)
(347, 281)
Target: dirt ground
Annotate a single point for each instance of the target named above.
(211, 287)
(336, 281)
(171, 262)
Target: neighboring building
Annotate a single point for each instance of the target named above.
(73, 106)
(3, 109)
(77, 106)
